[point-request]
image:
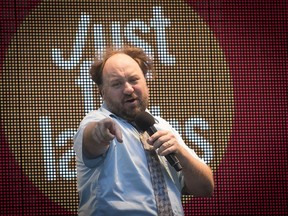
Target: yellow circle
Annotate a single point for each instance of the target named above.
(44, 102)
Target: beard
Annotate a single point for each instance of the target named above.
(125, 110)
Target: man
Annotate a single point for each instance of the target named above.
(112, 169)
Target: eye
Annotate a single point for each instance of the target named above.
(116, 84)
(134, 80)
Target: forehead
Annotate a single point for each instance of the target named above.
(120, 63)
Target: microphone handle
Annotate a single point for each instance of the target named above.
(171, 158)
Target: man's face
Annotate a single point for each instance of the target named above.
(124, 87)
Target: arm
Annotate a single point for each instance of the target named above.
(97, 137)
(198, 176)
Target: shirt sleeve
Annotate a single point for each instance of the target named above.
(164, 125)
(78, 137)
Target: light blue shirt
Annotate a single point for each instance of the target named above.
(118, 182)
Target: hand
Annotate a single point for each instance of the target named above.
(106, 130)
(97, 137)
(165, 142)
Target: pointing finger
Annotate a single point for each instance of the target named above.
(113, 129)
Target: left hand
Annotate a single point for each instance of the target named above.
(165, 142)
(198, 176)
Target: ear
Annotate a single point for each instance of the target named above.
(100, 91)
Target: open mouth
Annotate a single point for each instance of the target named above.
(131, 100)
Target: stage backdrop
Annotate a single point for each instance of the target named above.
(221, 81)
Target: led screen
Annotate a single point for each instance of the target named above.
(219, 80)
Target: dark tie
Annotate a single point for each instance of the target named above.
(157, 178)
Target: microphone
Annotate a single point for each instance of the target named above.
(146, 122)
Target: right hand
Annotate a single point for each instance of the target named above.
(106, 130)
(98, 135)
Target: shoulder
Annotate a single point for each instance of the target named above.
(162, 123)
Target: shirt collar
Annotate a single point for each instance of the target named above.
(105, 110)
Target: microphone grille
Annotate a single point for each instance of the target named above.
(144, 121)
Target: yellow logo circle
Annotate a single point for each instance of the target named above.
(47, 88)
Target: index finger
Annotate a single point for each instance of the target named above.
(114, 129)
(156, 136)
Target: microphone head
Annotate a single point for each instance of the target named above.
(144, 121)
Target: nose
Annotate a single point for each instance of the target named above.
(128, 88)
